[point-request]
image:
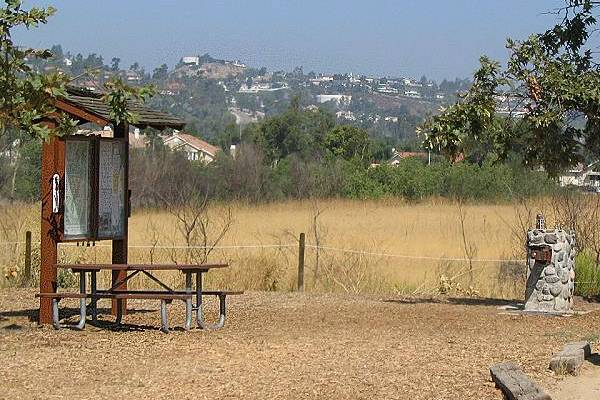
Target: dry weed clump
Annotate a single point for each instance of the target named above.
(15, 219)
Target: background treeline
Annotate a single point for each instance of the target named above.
(248, 178)
(301, 153)
(304, 153)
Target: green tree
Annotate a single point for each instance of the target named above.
(161, 73)
(26, 97)
(295, 131)
(114, 64)
(554, 76)
(348, 142)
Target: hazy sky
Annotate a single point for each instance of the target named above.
(438, 38)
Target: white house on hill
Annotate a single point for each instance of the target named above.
(585, 177)
(194, 148)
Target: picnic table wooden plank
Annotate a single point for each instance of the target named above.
(204, 292)
(142, 267)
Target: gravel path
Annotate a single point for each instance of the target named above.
(284, 346)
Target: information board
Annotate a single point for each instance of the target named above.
(111, 189)
(77, 199)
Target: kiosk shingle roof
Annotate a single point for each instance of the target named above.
(92, 103)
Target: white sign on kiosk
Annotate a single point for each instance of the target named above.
(77, 189)
(111, 189)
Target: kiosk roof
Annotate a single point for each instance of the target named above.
(92, 108)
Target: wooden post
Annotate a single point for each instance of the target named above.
(53, 162)
(301, 247)
(27, 270)
(119, 247)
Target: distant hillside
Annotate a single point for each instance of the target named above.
(418, 107)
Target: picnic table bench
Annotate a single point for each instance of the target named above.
(166, 296)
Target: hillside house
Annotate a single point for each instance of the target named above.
(584, 177)
(413, 94)
(132, 76)
(338, 99)
(194, 148)
(191, 60)
(397, 156)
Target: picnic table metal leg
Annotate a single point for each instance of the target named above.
(94, 302)
(222, 311)
(82, 302)
(199, 318)
(55, 318)
(188, 301)
(164, 318)
(82, 307)
(199, 321)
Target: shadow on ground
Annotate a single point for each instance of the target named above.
(465, 301)
(32, 314)
(65, 313)
(594, 359)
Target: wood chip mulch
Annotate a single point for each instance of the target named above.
(284, 346)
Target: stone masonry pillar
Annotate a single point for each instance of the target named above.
(551, 270)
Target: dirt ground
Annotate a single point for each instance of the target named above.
(285, 346)
(584, 386)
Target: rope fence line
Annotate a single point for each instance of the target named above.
(294, 245)
(482, 260)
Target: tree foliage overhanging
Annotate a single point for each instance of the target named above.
(554, 76)
(27, 97)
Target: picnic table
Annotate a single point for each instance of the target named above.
(119, 294)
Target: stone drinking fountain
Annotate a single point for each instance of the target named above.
(550, 269)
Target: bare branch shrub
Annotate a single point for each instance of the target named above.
(318, 232)
(186, 198)
(449, 283)
(154, 237)
(510, 279)
(13, 222)
(580, 213)
(469, 248)
(352, 273)
(244, 177)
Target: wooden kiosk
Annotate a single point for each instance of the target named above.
(85, 186)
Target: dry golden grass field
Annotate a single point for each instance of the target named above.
(389, 246)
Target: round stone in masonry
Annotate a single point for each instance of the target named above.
(535, 237)
(564, 276)
(546, 290)
(550, 238)
(556, 289)
(540, 285)
(566, 292)
(549, 271)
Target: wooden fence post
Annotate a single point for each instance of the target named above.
(301, 247)
(27, 270)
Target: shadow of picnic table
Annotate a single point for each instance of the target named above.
(32, 316)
